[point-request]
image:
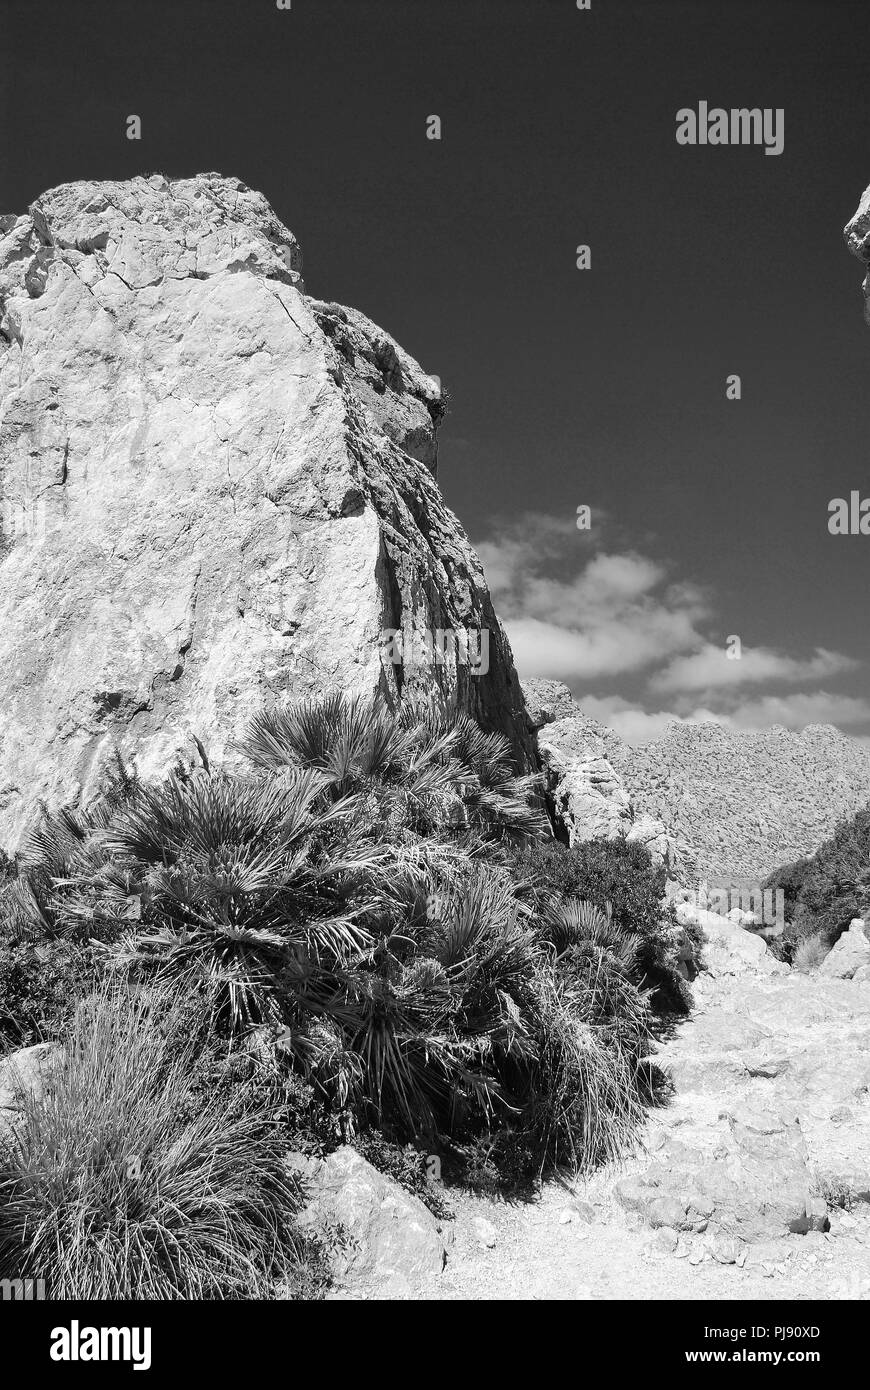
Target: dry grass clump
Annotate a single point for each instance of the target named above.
(124, 1183)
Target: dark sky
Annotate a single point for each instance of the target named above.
(604, 387)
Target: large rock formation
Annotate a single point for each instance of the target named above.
(588, 796)
(216, 492)
(857, 234)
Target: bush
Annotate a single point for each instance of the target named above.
(361, 897)
(618, 877)
(809, 953)
(824, 892)
(39, 986)
(586, 1107)
(120, 1186)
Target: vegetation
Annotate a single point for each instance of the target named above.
(619, 878)
(376, 905)
(823, 893)
(809, 952)
(126, 1182)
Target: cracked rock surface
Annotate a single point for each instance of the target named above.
(217, 491)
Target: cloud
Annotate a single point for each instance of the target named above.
(636, 725)
(585, 607)
(575, 613)
(797, 710)
(711, 669)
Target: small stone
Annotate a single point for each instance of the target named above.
(817, 1214)
(566, 1216)
(842, 1115)
(724, 1249)
(665, 1241)
(486, 1233)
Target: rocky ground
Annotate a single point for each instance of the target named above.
(735, 1189)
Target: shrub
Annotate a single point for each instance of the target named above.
(809, 952)
(824, 892)
(586, 1106)
(420, 770)
(39, 985)
(119, 1186)
(617, 876)
(835, 1189)
(361, 896)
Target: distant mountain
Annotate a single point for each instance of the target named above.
(748, 802)
(744, 803)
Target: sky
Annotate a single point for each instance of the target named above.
(602, 387)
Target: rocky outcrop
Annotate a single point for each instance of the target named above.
(857, 234)
(849, 955)
(588, 797)
(216, 492)
(28, 1071)
(380, 1237)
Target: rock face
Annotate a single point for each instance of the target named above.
(589, 797)
(857, 234)
(388, 1237)
(216, 492)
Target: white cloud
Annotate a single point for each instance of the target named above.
(711, 669)
(578, 612)
(798, 709)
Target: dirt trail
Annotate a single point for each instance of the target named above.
(772, 1097)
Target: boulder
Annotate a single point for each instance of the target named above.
(217, 492)
(379, 1236)
(729, 948)
(548, 700)
(588, 794)
(850, 954)
(28, 1070)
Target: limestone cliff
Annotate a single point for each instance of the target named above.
(216, 491)
(857, 234)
